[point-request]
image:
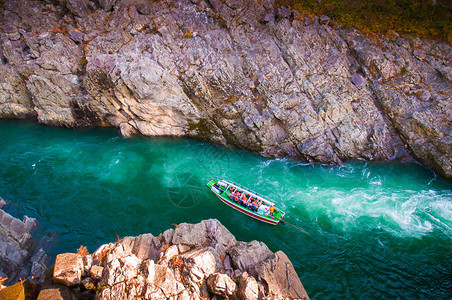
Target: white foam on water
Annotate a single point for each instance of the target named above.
(400, 212)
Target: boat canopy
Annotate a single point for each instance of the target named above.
(229, 183)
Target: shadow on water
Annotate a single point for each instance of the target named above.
(378, 230)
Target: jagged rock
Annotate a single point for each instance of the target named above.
(95, 272)
(183, 272)
(277, 274)
(2, 203)
(68, 269)
(247, 287)
(144, 8)
(207, 233)
(200, 264)
(146, 246)
(77, 36)
(20, 255)
(167, 236)
(221, 284)
(283, 12)
(107, 5)
(246, 255)
(15, 99)
(324, 20)
(420, 54)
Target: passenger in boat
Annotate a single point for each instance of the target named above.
(243, 199)
(237, 197)
(255, 205)
(272, 209)
(249, 202)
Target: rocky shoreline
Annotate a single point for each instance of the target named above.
(192, 261)
(21, 256)
(245, 73)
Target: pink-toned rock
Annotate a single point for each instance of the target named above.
(68, 269)
(248, 288)
(96, 272)
(221, 284)
(281, 278)
(146, 246)
(200, 263)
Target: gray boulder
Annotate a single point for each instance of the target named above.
(246, 255)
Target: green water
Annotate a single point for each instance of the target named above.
(378, 230)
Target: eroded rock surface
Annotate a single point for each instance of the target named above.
(243, 73)
(20, 254)
(179, 271)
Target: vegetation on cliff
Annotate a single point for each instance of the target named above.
(426, 19)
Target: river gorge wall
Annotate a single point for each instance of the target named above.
(243, 72)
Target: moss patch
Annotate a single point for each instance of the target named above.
(426, 19)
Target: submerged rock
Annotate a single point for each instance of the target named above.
(242, 73)
(183, 271)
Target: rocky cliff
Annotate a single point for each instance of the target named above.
(241, 72)
(21, 256)
(192, 261)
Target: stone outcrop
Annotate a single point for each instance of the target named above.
(243, 73)
(189, 262)
(20, 254)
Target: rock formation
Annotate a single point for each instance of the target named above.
(232, 72)
(193, 261)
(20, 255)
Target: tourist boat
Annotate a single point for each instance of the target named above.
(263, 209)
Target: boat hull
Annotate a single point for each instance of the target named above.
(248, 213)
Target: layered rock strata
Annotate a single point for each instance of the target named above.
(192, 261)
(20, 254)
(232, 72)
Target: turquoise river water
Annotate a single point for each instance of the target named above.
(377, 230)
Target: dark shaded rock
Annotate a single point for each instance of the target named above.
(278, 276)
(144, 8)
(420, 54)
(324, 20)
(107, 5)
(246, 255)
(269, 17)
(283, 12)
(20, 255)
(77, 36)
(80, 8)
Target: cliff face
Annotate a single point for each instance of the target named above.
(231, 72)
